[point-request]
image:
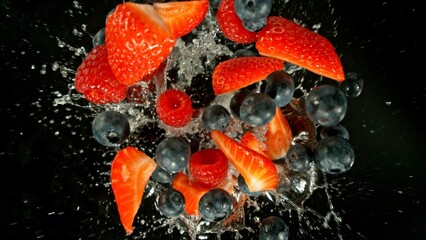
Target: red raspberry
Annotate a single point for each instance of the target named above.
(174, 108)
(208, 167)
(95, 80)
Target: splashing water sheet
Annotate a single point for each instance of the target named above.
(73, 181)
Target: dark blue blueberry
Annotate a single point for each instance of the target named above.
(236, 102)
(338, 130)
(257, 109)
(110, 128)
(215, 205)
(299, 157)
(273, 228)
(99, 38)
(253, 13)
(172, 154)
(162, 176)
(334, 155)
(352, 85)
(171, 203)
(326, 105)
(243, 53)
(215, 117)
(280, 87)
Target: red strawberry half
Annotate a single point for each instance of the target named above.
(236, 73)
(258, 171)
(284, 39)
(250, 140)
(95, 80)
(183, 16)
(138, 41)
(174, 108)
(192, 192)
(231, 25)
(208, 167)
(130, 172)
(278, 136)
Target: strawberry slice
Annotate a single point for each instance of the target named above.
(278, 136)
(259, 171)
(236, 73)
(191, 191)
(95, 80)
(284, 39)
(208, 167)
(231, 25)
(251, 141)
(182, 17)
(130, 172)
(138, 41)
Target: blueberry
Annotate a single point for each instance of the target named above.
(244, 188)
(236, 101)
(280, 87)
(215, 205)
(299, 157)
(215, 117)
(252, 11)
(254, 25)
(326, 105)
(110, 128)
(257, 109)
(99, 38)
(334, 155)
(352, 85)
(171, 203)
(162, 176)
(243, 53)
(273, 228)
(172, 154)
(337, 130)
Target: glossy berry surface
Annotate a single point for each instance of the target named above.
(110, 128)
(215, 117)
(334, 155)
(174, 108)
(299, 157)
(172, 154)
(162, 176)
(243, 53)
(208, 167)
(171, 203)
(257, 109)
(236, 101)
(99, 38)
(273, 228)
(280, 87)
(253, 13)
(215, 205)
(326, 105)
(352, 85)
(337, 130)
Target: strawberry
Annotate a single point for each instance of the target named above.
(191, 191)
(236, 73)
(95, 80)
(259, 171)
(183, 16)
(174, 108)
(208, 167)
(138, 41)
(250, 140)
(130, 172)
(231, 25)
(278, 136)
(284, 39)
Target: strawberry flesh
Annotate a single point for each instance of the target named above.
(286, 40)
(278, 136)
(236, 73)
(251, 141)
(130, 173)
(259, 171)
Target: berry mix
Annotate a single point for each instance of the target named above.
(247, 143)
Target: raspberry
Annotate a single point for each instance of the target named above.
(174, 108)
(208, 167)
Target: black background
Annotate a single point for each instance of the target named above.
(50, 189)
